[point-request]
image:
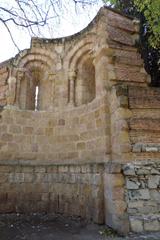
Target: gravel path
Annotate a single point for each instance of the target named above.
(56, 227)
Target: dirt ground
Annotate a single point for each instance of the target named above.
(57, 227)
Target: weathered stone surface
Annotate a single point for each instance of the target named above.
(144, 98)
(120, 36)
(145, 124)
(155, 171)
(129, 170)
(155, 195)
(130, 184)
(50, 187)
(136, 225)
(154, 181)
(151, 149)
(89, 145)
(130, 75)
(140, 194)
(112, 167)
(118, 21)
(145, 147)
(143, 171)
(152, 225)
(135, 204)
(143, 203)
(137, 148)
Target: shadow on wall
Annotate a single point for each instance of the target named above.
(85, 83)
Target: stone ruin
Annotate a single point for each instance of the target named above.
(80, 128)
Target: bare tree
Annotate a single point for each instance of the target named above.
(35, 14)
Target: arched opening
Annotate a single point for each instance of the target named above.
(85, 83)
(36, 88)
(30, 90)
(34, 91)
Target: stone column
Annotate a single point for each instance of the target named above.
(72, 78)
(11, 93)
(52, 77)
(20, 76)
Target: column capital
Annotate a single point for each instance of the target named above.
(20, 73)
(72, 74)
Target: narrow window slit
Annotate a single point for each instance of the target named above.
(36, 97)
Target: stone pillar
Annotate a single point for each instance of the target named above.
(11, 93)
(20, 76)
(52, 90)
(116, 215)
(72, 78)
(104, 67)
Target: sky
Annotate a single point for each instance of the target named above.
(70, 21)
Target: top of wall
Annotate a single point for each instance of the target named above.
(103, 11)
(123, 22)
(105, 16)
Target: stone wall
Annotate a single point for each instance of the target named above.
(93, 108)
(142, 174)
(143, 195)
(72, 136)
(133, 194)
(73, 190)
(116, 215)
(4, 73)
(144, 124)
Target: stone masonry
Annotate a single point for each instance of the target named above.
(143, 195)
(80, 128)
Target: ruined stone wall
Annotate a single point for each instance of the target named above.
(52, 154)
(144, 124)
(125, 69)
(142, 173)
(135, 152)
(72, 136)
(73, 190)
(94, 106)
(143, 195)
(135, 110)
(30, 139)
(4, 73)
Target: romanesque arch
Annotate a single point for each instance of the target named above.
(82, 84)
(35, 87)
(85, 87)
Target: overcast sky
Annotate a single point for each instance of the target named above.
(68, 23)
